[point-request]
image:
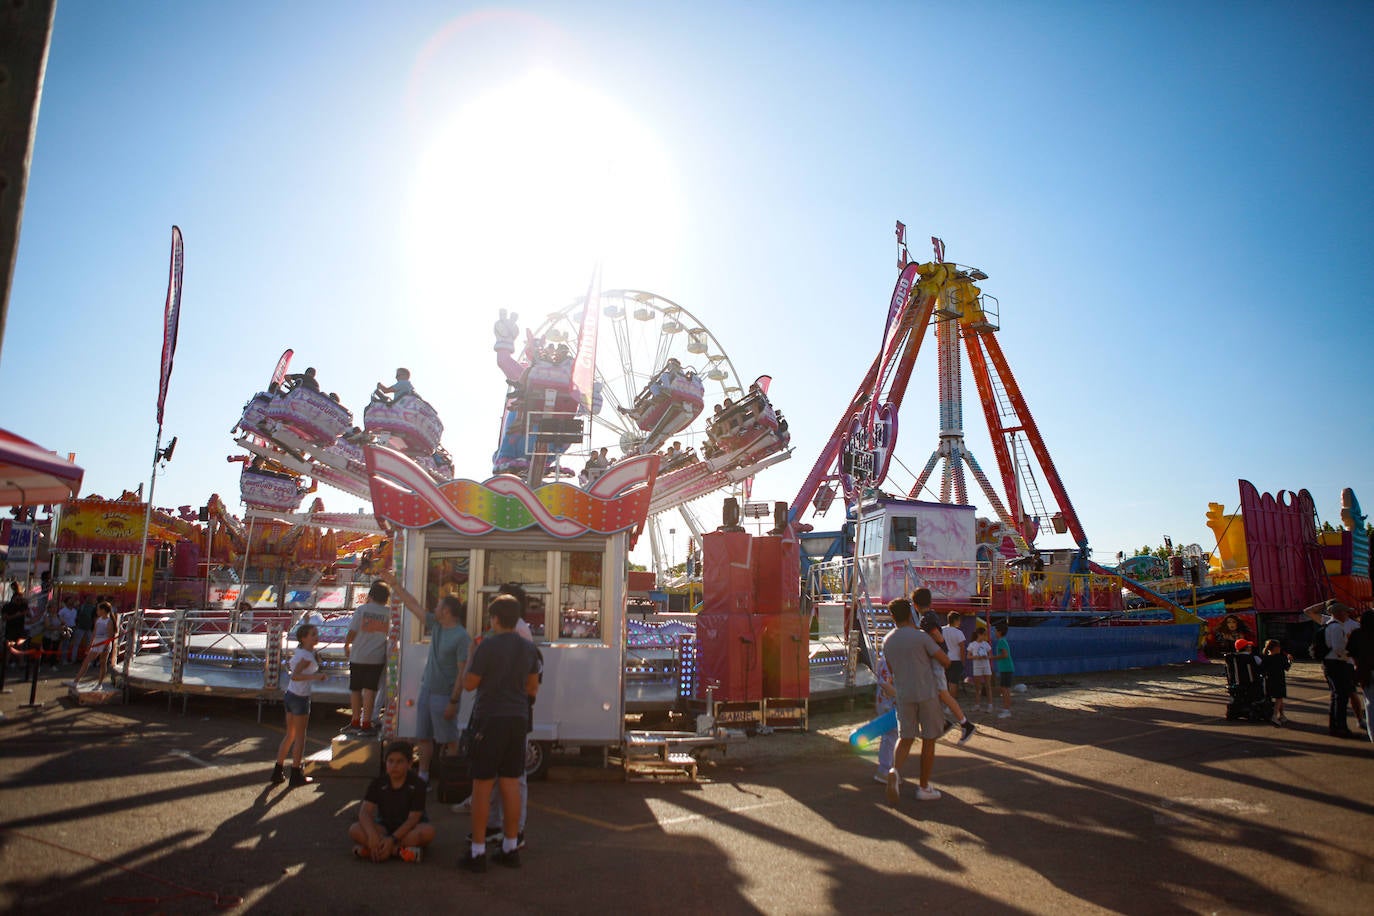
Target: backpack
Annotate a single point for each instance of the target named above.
(1319, 647)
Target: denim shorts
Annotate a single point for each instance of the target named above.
(296, 705)
(430, 722)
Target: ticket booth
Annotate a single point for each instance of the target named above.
(567, 547)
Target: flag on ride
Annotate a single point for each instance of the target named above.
(762, 383)
(939, 249)
(584, 367)
(888, 350)
(279, 373)
(170, 317)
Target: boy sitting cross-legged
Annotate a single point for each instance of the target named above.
(392, 821)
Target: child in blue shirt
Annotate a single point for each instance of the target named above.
(1006, 668)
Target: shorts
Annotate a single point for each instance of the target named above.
(955, 673)
(365, 677)
(296, 705)
(392, 828)
(430, 722)
(920, 720)
(1004, 678)
(941, 684)
(981, 668)
(498, 748)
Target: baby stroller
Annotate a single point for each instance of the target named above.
(1245, 684)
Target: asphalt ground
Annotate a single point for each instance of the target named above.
(1127, 792)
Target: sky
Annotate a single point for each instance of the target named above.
(1172, 202)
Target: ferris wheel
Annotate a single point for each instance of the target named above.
(639, 333)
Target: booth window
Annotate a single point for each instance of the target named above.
(579, 595)
(870, 537)
(526, 568)
(446, 574)
(904, 533)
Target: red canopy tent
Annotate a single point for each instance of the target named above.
(33, 476)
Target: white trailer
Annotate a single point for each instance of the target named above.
(567, 547)
(576, 590)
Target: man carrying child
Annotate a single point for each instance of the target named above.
(909, 653)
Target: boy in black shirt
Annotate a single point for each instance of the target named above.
(391, 821)
(504, 670)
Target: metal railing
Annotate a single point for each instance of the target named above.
(212, 639)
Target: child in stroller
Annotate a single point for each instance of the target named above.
(1245, 684)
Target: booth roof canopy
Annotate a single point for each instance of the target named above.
(32, 476)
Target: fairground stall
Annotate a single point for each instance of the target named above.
(567, 547)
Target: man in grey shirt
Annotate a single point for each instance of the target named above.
(365, 649)
(909, 653)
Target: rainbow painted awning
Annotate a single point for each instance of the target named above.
(404, 494)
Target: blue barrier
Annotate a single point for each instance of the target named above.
(1041, 650)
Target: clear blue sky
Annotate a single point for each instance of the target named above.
(1173, 202)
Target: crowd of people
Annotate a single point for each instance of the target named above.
(919, 672)
(44, 630)
(502, 668)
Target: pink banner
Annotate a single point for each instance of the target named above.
(279, 373)
(171, 316)
(900, 293)
(584, 369)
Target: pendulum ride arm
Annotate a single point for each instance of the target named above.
(999, 437)
(895, 364)
(973, 342)
(831, 451)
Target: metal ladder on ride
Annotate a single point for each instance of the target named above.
(863, 628)
(1025, 469)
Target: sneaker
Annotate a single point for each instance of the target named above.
(369, 729)
(411, 853)
(1282, 720)
(925, 793)
(968, 732)
(881, 777)
(508, 859)
(278, 775)
(987, 708)
(463, 807)
(298, 778)
(894, 787)
(1004, 714)
(475, 864)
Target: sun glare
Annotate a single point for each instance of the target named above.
(526, 187)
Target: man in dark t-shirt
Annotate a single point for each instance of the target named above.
(504, 670)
